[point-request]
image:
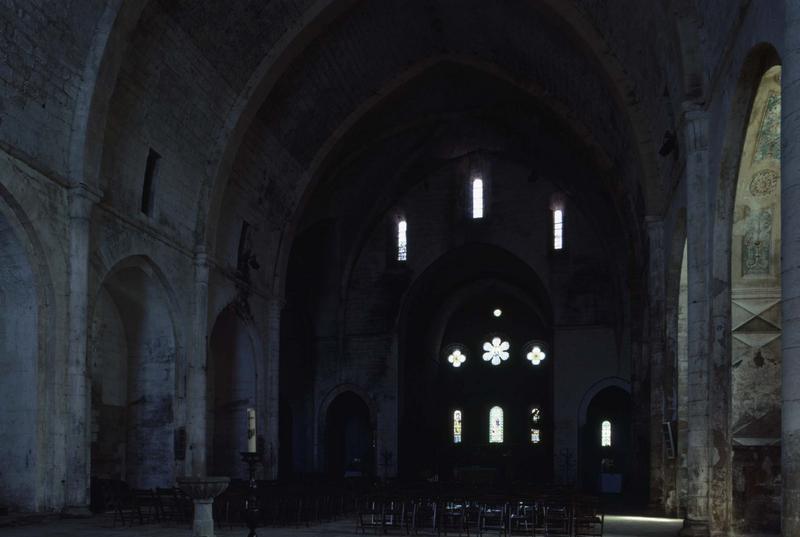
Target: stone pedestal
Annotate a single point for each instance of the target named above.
(202, 491)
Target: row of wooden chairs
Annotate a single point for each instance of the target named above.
(503, 517)
(151, 505)
(279, 506)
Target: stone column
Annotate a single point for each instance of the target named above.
(697, 215)
(657, 335)
(790, 275)
(270, 422)
(196, 392)
(78, 389)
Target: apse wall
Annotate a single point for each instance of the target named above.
(362, 311)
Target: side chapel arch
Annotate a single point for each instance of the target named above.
(755, 275)
(25, 359)
(233, 381)
(133, 355)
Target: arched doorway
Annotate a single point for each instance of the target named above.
(605, 445)
(132, 357)
(349, 437)
(232, 390)
(755, 404)
(285, 439)
(19, 371)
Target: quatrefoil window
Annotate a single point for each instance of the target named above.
(457, 357)
(536, 352)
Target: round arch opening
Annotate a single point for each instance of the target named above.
(132, 363)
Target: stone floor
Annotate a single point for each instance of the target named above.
(616, 526)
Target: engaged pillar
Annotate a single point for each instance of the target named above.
(697, 214)
(790, 276)
(196, 396)
(78, 391)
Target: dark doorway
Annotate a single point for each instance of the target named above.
(606, 443)
(285, 432)
(349, 438)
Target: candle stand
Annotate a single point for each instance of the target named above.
(251, 514)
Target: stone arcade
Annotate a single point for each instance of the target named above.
(547, 242)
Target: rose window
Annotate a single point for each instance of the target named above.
(496, 351)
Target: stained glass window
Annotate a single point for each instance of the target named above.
(558, 229)
(536, 417)
(605, 434)
(456, 426)
(536, 355)
(496, 425)
(477, 198)
(457, 357)
(402, 241)
(496, 351)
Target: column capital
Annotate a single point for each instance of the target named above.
(81, 199)
(654, 223)
(695, 126)
(276, 301)
(201, 257)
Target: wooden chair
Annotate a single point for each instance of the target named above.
(589, 519)
(523, 517)
(370, 515)
(168, 505)
(121, 503)
(557, 519)
(423, 517)
(396, 515)
(493, 517)
(145, 505)
(452, 517)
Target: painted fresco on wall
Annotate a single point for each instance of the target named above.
(768, 143)
(756, 243)
(755, 319)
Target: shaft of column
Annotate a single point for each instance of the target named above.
(697, 211)
(197, 370)
(657, 335)
(77, 392)
(272, 385)
(790, 273)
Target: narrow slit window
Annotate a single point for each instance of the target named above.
(558, 229)
(457, 427)
(402, 241)
(477, 198)
(148, 186)
(243, 252)
(605, 434)
(496, 425)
